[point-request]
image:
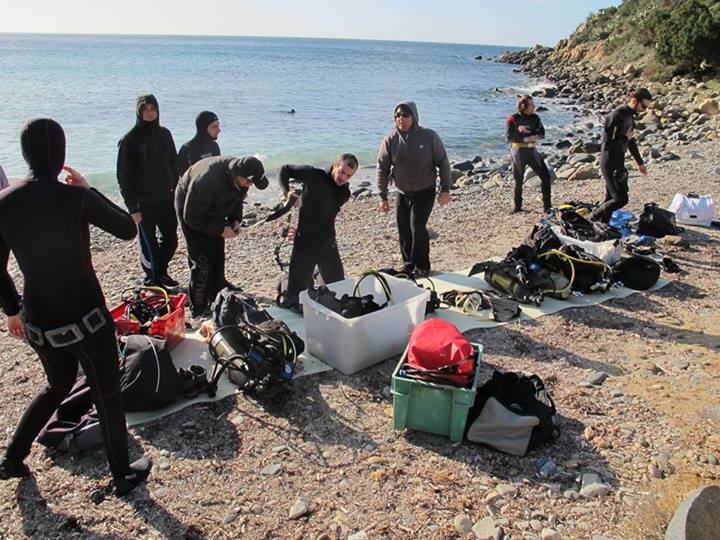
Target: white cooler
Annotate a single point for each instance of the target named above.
(350, 345)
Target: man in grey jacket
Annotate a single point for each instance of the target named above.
(208, 201)
(411, 156)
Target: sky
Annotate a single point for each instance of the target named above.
(488, 22)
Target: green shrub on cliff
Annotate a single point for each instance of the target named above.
(687, 37)
(667, 36)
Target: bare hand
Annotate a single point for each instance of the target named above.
(74, 178)
(228, 233)
(16, 328)
(522, 129)
(236, 226)
(384, 206)
(443, 198)
(137, 217)
(643, 170)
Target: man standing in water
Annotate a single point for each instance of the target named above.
(412, 156)
(147, 173)
(203, 144)
(618, 138)
(523, 131)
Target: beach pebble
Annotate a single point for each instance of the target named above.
(271, 470)
(463, 524)
(299, 509)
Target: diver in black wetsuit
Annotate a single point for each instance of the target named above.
(147, 173)
(523, 130)
(203, 144)
(63, 316)
(323, 194)
(619, 137)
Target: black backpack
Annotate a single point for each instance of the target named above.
(636, 272)
(232, 306)
(657, 222)
(512, 413)
(148, 378)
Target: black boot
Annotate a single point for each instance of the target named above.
(139, 471)
(12, 469)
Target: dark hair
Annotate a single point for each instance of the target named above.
(350, 158)
(640, 94)
(523, 102)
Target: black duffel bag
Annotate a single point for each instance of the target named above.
(148, 377)
(512, 413)
(657, 222)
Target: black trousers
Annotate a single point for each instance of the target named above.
(157, 235)
(612, 167)
(98, 355)
(206, 258)
(302, 266)
(521, 159)
(412, 211)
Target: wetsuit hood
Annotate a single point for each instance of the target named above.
(203, 120)
(144, 100)
(43, 147)
(413, 110)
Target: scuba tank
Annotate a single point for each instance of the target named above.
(512, 285)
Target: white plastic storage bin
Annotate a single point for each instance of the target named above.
(350, 345)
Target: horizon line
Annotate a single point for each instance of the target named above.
(123, 34)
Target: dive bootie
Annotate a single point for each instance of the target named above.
(12, 469)
(139, 471)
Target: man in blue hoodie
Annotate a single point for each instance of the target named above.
(147, 173)
(411, 156)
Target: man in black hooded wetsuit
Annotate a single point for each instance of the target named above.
(63, 316)
(618, 138)
(147, 173)
(323, 194)
(203, 144)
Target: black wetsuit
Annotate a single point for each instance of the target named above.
(315, 242)
(147, 174)
(524, 156)
(45, 224)
(207, 200)
(612, 160)
(200, 146)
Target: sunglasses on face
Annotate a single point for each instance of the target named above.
(402, 115)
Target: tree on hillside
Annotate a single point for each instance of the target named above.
(686, 36)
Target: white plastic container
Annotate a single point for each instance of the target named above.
(350, 345)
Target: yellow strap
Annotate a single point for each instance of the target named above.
(523, 145)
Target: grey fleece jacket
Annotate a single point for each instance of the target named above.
(412, 159)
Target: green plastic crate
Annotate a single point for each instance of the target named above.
(433, 408)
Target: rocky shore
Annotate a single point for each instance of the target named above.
(635, 382)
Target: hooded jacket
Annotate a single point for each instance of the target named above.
(412, 159)
(44, 223)
(208, 198)
(201, 145)
(147, 169)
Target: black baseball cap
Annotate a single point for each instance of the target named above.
(252, 169)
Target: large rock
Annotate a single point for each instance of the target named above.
(697, 517)
(464, 166)
(585, 172)
(710, 107)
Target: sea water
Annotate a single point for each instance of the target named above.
(343, 93)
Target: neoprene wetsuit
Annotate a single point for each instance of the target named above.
(315, 242)
(525, 154)
(201, 145)
(44, 223)
(617, 139)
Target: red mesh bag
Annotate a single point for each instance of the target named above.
(438, 351)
